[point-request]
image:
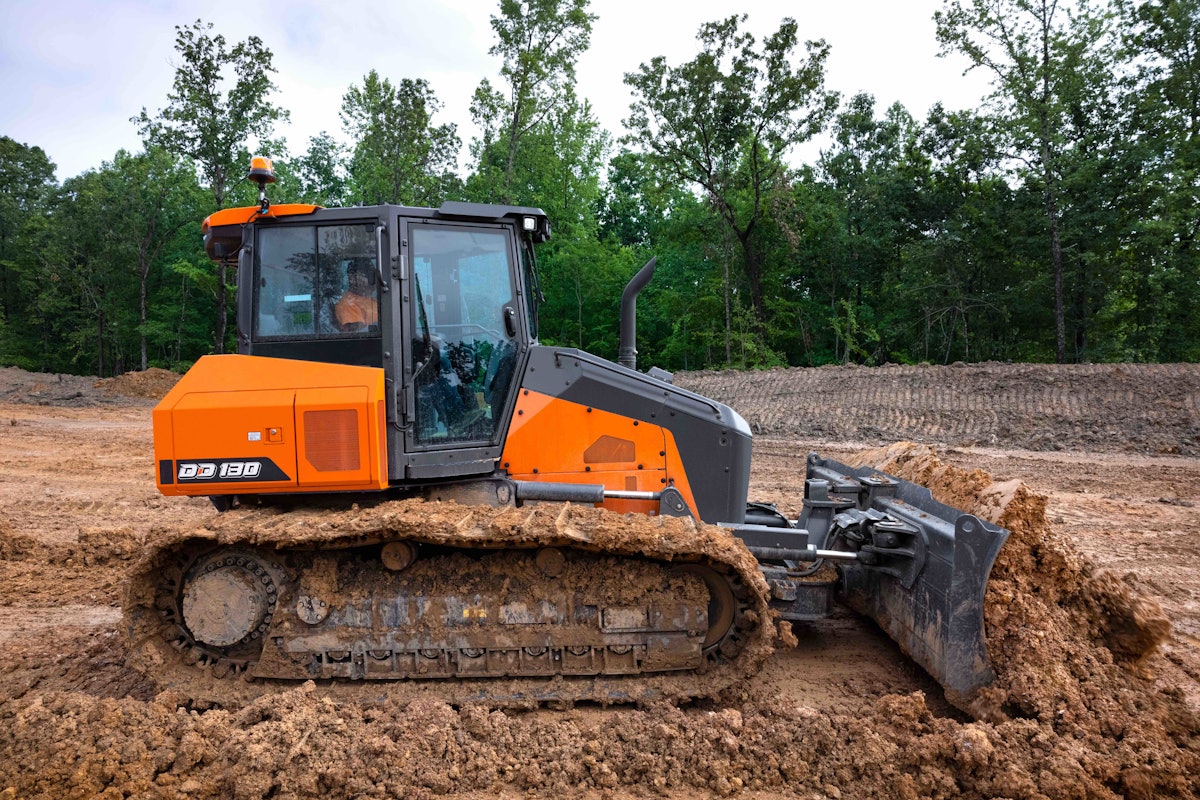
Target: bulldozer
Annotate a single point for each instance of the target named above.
(414, 491)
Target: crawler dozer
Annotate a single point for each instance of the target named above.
(416, 492)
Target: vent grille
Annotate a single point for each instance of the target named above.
(331, 439)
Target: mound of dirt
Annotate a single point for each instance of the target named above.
(1069, 644)
(153, 383)
(52, 389)
(37, 572)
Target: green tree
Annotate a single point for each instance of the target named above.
(1036, 51)
(27, 196)
(153, 198)
(630, 205)
(539, 42)
(321, 172)
(871, 167)
(960, 273)
(398, 156)
(116, 225)
(1154, 305)
(724, 120)
(211, 117)
(559, 164)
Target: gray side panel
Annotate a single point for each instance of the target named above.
(713, 439)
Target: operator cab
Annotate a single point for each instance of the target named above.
(443, 300)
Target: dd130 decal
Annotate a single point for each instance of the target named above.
(219, 470)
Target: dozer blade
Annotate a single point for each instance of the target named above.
(921, 570)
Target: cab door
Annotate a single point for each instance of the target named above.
(463, 338)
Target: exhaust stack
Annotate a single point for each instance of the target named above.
(627, 355)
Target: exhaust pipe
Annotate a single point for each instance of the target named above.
(627, 355)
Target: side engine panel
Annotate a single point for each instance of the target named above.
(247, 424)
(581, 419)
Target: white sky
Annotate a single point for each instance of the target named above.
(74, 72)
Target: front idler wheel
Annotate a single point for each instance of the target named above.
(722, 605)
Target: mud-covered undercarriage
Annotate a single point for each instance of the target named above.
(574, 603)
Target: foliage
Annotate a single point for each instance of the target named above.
(1058, 220)
(27, 195)
(724, 121)
(399, 156)
(1047, 61)
(539, 42)
(321, 174)
(210, 126)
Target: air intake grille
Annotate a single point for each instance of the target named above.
(331, 439)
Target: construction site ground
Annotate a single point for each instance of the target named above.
(1096, 469)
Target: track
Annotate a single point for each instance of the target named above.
(486, 612)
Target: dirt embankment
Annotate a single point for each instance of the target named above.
(1138, 408)
(1095, 696)
(19, 386)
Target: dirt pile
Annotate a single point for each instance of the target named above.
(302, 745)
(51, 389)
(34, 571)
(153, 383)
(1069, 644)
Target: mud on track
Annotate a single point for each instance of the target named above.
(1102, 505)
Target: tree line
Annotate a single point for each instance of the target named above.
(1055, 222)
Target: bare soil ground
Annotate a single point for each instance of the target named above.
(1095, 469)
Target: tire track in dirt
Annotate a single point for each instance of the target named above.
(1029, 406)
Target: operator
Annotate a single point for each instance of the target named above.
(357, 309)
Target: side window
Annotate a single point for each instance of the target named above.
(316, 281)
(286, 282)
(533, 290)
(462, 355)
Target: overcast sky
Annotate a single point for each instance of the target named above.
(74, 72)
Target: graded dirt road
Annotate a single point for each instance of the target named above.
(1096, 469)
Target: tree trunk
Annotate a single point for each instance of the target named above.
(1060, 317)
(143, 277)
(514, 129)
(728, 307)
(183, 298)
(100, 343)
(754, 277)
(142, 321)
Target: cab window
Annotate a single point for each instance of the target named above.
(316, 281)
